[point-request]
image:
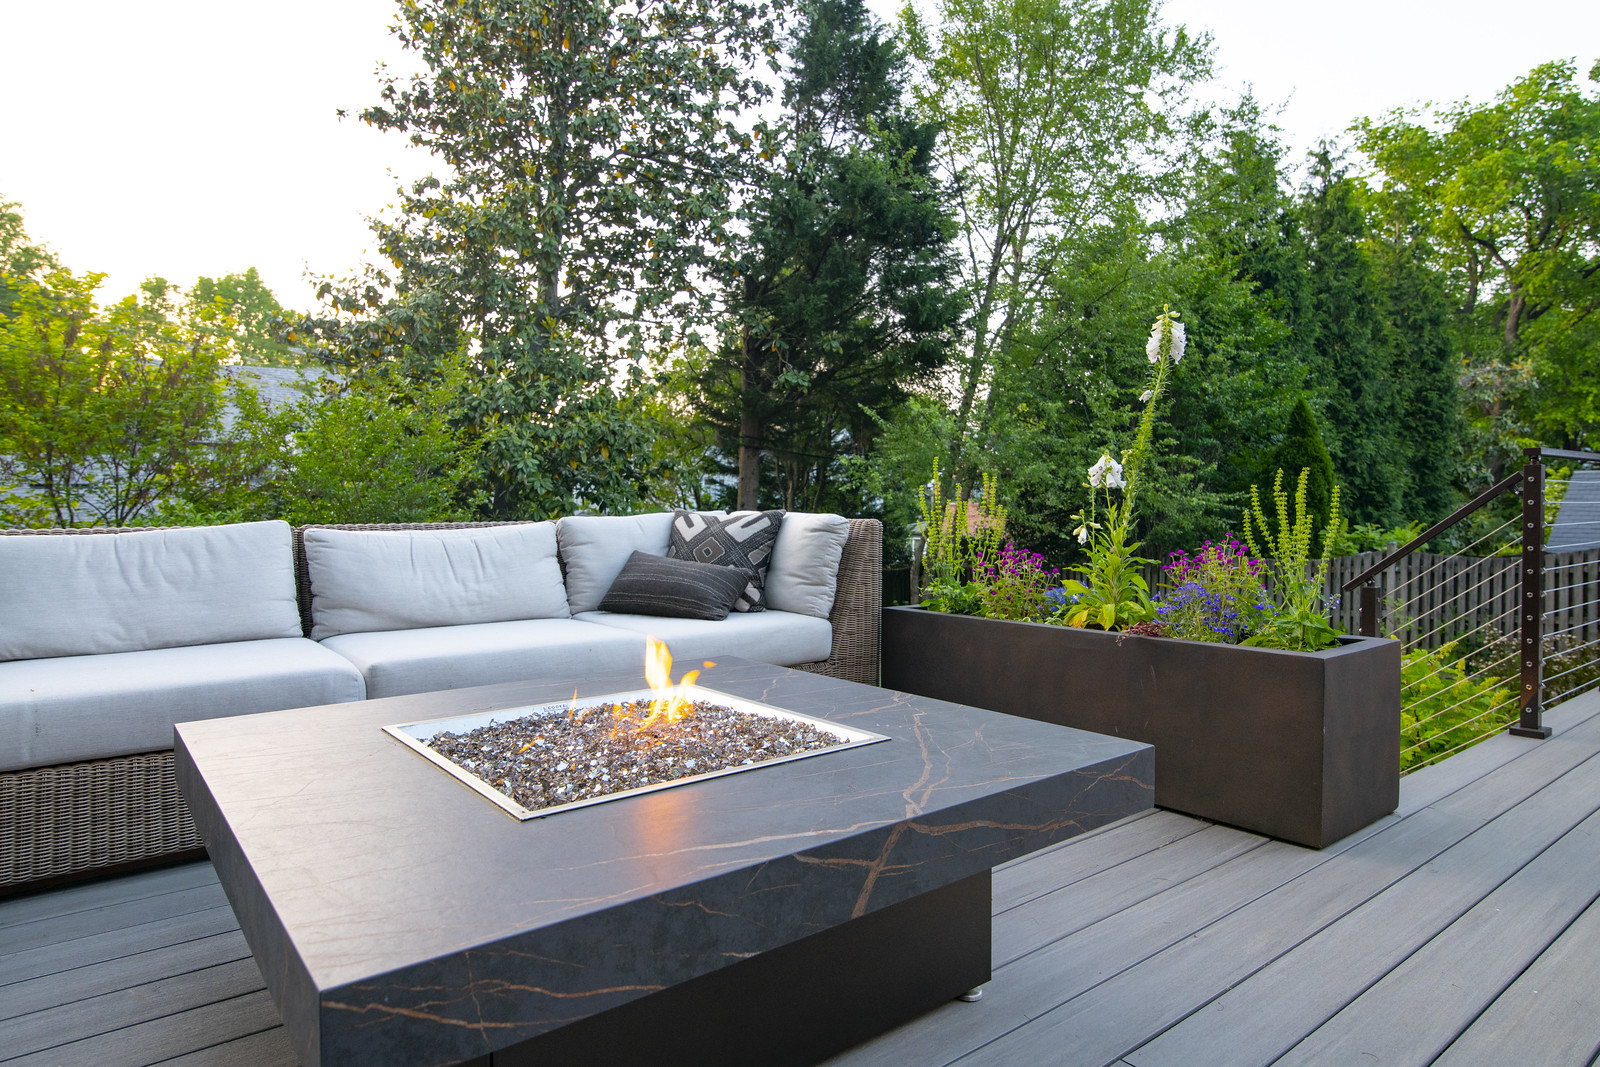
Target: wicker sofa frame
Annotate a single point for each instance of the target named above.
(69, 821)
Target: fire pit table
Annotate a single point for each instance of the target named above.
(775, 916)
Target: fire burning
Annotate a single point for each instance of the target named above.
(545, 759)
(669, 703)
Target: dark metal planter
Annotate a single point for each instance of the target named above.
(1303, 746)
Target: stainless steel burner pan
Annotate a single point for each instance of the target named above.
(414, 735)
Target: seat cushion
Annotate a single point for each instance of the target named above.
(780, 637)
(594, 548)
(73, 708)
(86, 594)
(366, 580)
(399, 662)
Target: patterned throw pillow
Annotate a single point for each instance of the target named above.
(678, 588)
(743, 539)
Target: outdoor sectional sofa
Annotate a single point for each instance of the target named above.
(108, 637)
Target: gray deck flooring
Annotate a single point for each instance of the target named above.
(1462, 930)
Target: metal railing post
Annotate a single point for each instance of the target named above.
(1371, 593)
(1530, 722)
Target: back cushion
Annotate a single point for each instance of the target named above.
(82, 594)
(805, 563)
(594, 548)
(371, 580)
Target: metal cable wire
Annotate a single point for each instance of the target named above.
(1439, 757)
(1559, 674)
(1450, 666)
(1463, 551)
(1509, 703)
(1511, 565)
(1564, 694)
(1491, 621)
(1571, 629)
(1452, 685)
(1559, 567)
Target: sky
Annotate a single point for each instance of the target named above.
(186, 139)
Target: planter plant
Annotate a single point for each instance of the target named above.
(1262, 715)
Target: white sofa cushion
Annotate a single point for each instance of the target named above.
(804, 575)
(84, 594)
(366, 580)
(73, 708)
(594, 548)
(770, 636)
(453, 657)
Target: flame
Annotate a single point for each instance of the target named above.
(669, 703)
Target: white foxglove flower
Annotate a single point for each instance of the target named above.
(1144, 397)
(1152, 347)
(1106, 472)
(1083, 535)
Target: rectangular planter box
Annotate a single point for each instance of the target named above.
(1303, 746)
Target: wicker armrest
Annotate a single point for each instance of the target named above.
(857, 607)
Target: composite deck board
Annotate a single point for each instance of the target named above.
(269, 1048)
(1054, 868)
(164, 1037)
(20, 910)
(122, 972)
(1158, 940)
(58, 928)
(1083, 903)
(128, 1007)
(1551, 1013)
(1420, 1007)
(1258, 1019)
(97, 948)
(1107, 1020)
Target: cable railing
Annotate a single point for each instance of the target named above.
(1499, 629)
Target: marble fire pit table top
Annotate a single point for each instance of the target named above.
(399, 917)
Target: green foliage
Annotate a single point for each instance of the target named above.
(1370, 537)
(1074, 370)
(102, 411)
(244, 317)
(1507, 195)
(840, 294)
(591, 160)
(1302, 449)
(1351, 364)
(379, 449)
(1058, 116)
(1299, 621)
(1114, 594)
(956, 543)
(1446, 706)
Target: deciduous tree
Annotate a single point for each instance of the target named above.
(587, 152)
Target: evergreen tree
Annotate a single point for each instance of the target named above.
(1302, 449)
(1349, 366)
(841, 297)
(1425, 363)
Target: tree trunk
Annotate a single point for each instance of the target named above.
(751, 431)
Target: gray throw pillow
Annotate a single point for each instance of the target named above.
(743, 540)
(677, 588)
